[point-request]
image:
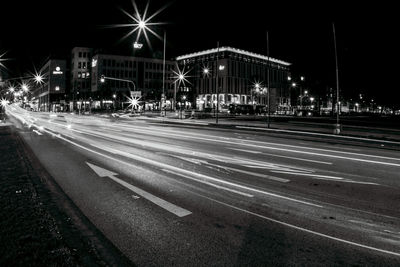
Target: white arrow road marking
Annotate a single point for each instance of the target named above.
(178, 211)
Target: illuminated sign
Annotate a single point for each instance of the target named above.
(57, 71)
(137, 45)
(94, 63)
(57, 88)
(221, 67)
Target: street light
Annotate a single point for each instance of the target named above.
(104, 78)
(38, 78)
(24, 87)
(180, 78)
(337, 126)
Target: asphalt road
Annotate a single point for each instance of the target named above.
(190, 195)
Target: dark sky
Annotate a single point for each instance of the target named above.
(300, 33)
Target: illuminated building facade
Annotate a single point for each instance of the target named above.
(238, 73)
(51, 94)
(146, 75)
(80, 75)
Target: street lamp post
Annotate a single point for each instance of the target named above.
(217, 84)
(104, 78)
(163, 81)
(337, 126)
(268, 87)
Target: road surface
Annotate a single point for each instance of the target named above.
(191, 195)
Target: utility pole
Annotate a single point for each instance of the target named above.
(337, 126)
(163, 78)
(217, 84)
(268, 89)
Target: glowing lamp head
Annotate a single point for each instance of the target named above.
(206, 71)
(293, 84)
(25, 87)
(302, 78)
(11, 89)
(289, 78)
(181, 77)
(3, 102)
(39, 78)
(257, 85)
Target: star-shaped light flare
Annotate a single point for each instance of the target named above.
(3, 59)
(133, 102)
(140, 23)
(181, 76)
(3, 102)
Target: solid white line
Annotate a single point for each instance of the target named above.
(208, 183)
(304, 229)
(245, 150)
(178, 211)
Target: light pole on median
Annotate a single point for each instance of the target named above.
(268, 86)
(337, 126)
(163, 78)
(217, 84)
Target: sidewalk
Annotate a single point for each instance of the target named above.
(34, 229)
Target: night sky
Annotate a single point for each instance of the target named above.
(300, 33)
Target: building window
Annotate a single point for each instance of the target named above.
(79, 65)
(79, 74)
(84, 65)
(80, 54)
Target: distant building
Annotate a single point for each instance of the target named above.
(238, 73)
(51, 94)
(146, 75)
(80, 74)
(3, 76)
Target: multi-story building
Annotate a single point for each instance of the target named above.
(80, 80)
(242, 78)
(51, 94)
(126, 73)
